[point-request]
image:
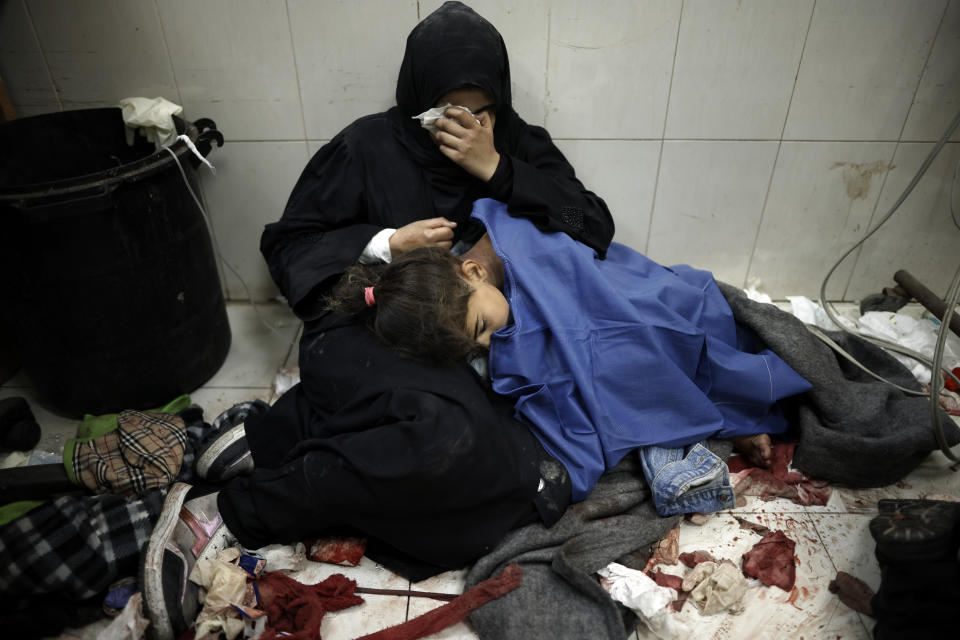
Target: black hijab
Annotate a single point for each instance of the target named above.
(452, 48)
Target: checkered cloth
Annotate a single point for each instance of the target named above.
(79, 545)
(144, 452)
(76, 546)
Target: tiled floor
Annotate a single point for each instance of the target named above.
(830, 538)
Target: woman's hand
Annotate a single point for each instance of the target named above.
(468, 141)
(433, 232)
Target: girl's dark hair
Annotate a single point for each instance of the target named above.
(421, 304)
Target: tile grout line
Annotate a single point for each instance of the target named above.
(896, 147)
(43, 55)
(296, 73)
(166, 49)
(776, 156)
(663, 133)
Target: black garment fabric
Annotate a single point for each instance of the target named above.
(416, 457)
(384, 171)
(854, 429)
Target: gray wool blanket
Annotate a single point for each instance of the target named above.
(853, 430)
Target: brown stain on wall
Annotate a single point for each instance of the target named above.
(858, 176)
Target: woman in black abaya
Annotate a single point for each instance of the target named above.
(385, 171)
(417, 457)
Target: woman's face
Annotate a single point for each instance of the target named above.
(473, 98)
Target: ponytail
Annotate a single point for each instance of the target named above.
(348, 295)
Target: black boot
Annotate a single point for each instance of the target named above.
(917, 544)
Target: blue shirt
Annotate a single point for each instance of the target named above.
(603, 356)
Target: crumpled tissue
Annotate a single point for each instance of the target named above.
(428, 119)
(284, 557)
(644, 597)
(224, 585)
(811, 312)
(153, 118)
(917, 335)
(130, 624)
(715, 588)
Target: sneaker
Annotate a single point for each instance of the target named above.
(187, 530)
(226, 454)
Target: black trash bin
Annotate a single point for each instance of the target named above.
(109, 290)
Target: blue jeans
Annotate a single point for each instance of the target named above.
(689, 479)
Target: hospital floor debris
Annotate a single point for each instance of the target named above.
(829, 538)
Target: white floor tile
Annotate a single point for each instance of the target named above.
(933, 479)
(214, 401)
(377, 612)
(449, 582)
(257, 351)
(850, 546)
(756, 504)
(808, 611)
(367, 574)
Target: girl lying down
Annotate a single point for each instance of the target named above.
(601, 357)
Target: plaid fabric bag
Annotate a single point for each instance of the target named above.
(145, 452)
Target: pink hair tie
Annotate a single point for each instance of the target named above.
(368, 296)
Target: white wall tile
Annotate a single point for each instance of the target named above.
(708, 204)
(624, 174)
(101, 51)
(736, 63)
(861, 65)
(249, 190)
(348, 55)
(523, 26)
(938, 98)
(820, 201)
(920, 237)
(26, 112)
(22, 68)
(608, 71)
(233, 62)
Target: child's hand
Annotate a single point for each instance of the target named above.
(468, 141)
(433, 232)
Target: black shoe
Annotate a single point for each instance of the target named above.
(225, 453)
(917, 542)
(908, 531)
(19, 430)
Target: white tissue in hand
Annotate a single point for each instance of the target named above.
(428, 119)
